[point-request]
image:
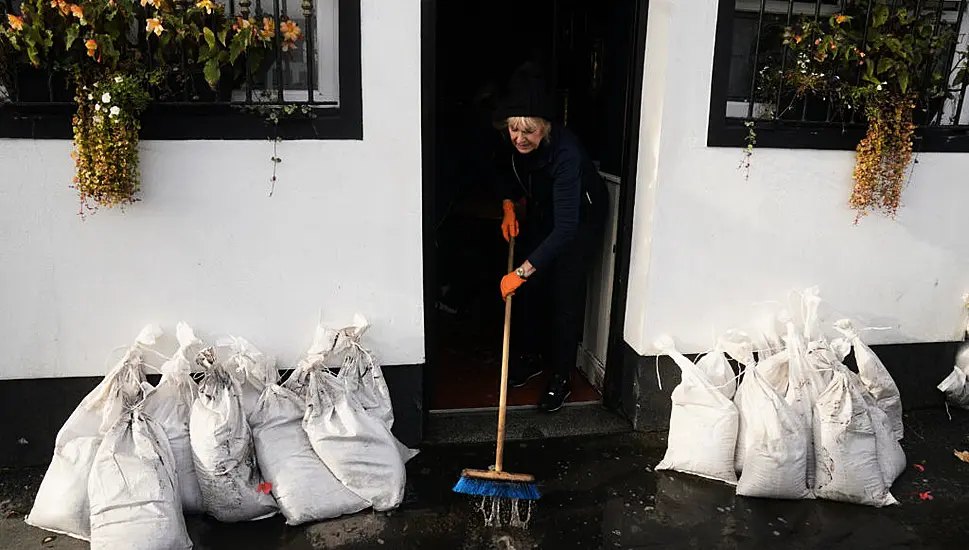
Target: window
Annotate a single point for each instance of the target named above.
(322, 73)
(750, 37)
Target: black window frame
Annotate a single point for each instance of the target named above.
(726, 131)
(215, 121)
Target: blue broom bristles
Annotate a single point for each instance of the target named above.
(499, 489)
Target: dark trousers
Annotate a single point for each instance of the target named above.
(548, 311)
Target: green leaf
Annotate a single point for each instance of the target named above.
(903, 79)
(222, 34)
(885, 64)
(212, 73)
(236, 47)
(70, 36)
(869, 74)
(209, 37)
(879, 16)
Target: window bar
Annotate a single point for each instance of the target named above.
(181, 5)
(962, 92)
(232, 9)
(864, 46)
(935, 31)
(278, 45)
(780, 86)
(817, 15)
(753, 76)
(309, 18)
(829, 101)
(950, 54)
(244, 13)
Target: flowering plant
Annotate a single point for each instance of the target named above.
(881, 59)
(122, 49)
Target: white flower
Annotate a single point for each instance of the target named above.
(115, 110)
(90, 97)
(106, 98)
(97, 107)
(879, 87)
(118, 79)
(96, 118)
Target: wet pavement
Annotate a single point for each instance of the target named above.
(601, 492)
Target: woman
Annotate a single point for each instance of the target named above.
(548, 175)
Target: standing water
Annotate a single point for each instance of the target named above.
(502, 512)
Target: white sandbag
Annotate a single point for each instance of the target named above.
(133, 489)
(773, 370)
(875, 377)
(304, 487)
(249, 367)
(170, 405)
(222, 448)
(703, 424)
(61, 504)
(956, 385)
(342, 349)
(846, 448)
(776, 444)
(805, 383)
(718, 371)
(359, 449)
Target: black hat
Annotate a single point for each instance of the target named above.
(526, 94)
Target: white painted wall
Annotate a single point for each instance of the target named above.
(208, 246)
(709, 245)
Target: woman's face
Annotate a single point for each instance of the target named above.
(524, 139)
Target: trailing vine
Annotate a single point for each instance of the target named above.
(274, 114)
(749, 142)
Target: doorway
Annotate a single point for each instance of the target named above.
(586, 48)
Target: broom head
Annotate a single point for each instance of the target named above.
(489, 483)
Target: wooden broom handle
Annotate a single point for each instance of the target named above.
(505, 352)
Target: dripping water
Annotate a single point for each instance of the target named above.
(504, 512)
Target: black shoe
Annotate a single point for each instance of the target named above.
(523, 369)
(559, 389)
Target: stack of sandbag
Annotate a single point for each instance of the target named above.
(956, 385)
(353, 441)
(113, 478)
(806, 427)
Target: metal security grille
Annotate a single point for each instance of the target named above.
(292, 77)
(756, 42)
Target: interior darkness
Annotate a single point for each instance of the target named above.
(584, 48)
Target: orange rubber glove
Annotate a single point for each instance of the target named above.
(509, 223)
(509, 284)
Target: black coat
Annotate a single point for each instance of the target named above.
(563, 191)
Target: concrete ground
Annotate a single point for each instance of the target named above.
(600, 492)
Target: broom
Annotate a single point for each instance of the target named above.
(497, 482)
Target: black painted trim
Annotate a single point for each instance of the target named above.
(617, 375)
(428, 183)
(730, 132)
(33, 411)
(221, 121)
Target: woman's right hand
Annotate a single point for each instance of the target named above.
(509, 223)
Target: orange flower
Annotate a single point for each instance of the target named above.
(154, 24)
(242, 23)
(840, 18)
(268, 28)
(290, 30)
(78, 12)
(92, 47)
(16, 23)
(798, 38)
(206, 5)
(818, 41)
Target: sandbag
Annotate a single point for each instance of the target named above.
(846, 448)
(133, 489)
(304, 487)
(359, 449)
(805, 383)
(170, 405)
(773, 370)
(956, 385)
(875, 377)
(250, 368)
(703, 424)
(62, 504)
(342, 350)
(222, 449)
(775, 446)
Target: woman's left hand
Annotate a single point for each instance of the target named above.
(509, 284)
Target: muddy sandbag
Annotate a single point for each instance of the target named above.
(875, 377)
(222, 447)
(62, 504)
(773, 370)
(956, 385)
(133, 489)
(170, 406)
(304, 487)
(846, 447)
